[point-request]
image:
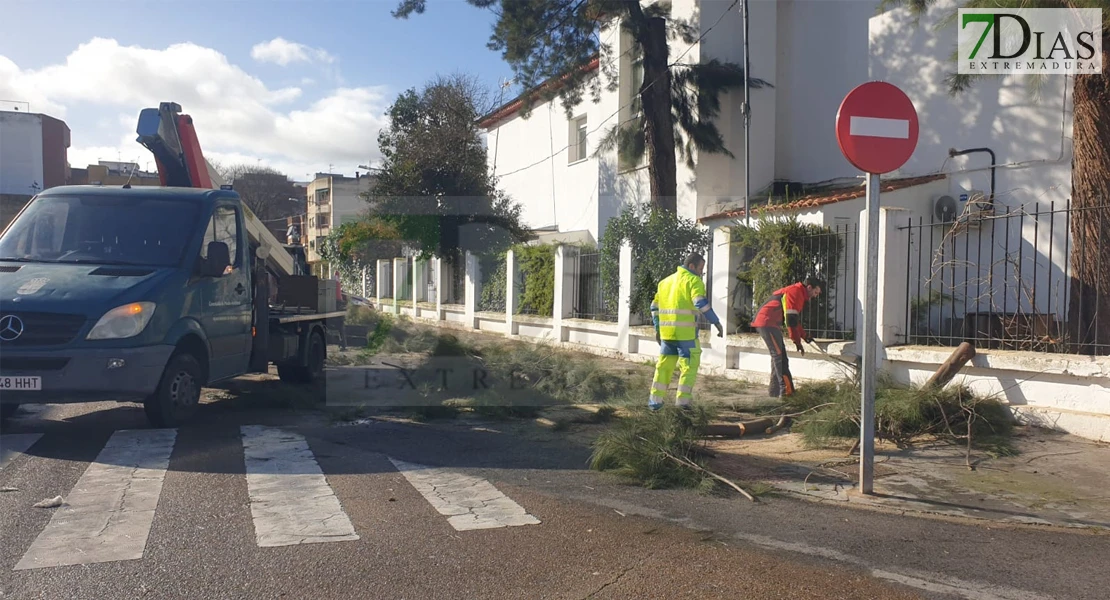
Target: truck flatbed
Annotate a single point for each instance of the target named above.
(295, 317)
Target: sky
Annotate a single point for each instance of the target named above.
(300, 86)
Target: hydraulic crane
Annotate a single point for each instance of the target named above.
(172, 139)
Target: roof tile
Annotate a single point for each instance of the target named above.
(829, 197)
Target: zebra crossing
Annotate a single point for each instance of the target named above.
(108, 514)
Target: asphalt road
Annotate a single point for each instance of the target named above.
(272, 504)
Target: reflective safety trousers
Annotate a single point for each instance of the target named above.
(678, 301)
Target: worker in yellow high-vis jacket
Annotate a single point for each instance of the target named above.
(678, 301)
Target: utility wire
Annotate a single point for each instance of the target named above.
(642, 90)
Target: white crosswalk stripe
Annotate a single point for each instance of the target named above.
(108, 513)
(468, 502)
(14, 444)
(291, 501)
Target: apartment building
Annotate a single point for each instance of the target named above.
(333, 199)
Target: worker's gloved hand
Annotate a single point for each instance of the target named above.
(799, 348)
(809, 340)
(657, 340)
(720, 330)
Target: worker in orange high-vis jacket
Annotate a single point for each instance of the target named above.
(679, 299)
(785, 304)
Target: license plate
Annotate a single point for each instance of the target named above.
(21, 384)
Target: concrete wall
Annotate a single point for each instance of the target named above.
(1065, 392)
(55, 145)
(21, 165)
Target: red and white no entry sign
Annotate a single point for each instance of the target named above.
(877, 127)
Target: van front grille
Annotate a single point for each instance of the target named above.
(38, 329)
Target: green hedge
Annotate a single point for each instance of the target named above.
(535, 280)
(537, 266)
(659, 243)
(777, 252)
(492, 268)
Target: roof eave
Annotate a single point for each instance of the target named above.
(510, 108)
(817, 202)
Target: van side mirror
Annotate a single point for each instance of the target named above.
(219, 258)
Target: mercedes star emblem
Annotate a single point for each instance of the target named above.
(11, 327)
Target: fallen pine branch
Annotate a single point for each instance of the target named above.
(696, 467)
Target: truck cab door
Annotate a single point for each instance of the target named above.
(227, 312)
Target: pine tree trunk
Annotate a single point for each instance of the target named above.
(1089, 306)
(658, 120)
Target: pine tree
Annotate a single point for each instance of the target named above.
(435, 188)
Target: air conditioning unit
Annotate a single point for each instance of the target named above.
(965, 207)
(974, 202)
(945, 209)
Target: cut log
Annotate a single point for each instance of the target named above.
(952, 366)
(734, 430)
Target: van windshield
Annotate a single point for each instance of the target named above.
(128, 230)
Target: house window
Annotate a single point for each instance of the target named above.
(577, 150)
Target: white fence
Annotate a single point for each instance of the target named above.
(1067, 392)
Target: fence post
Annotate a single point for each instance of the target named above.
(624, 301)
(471, 292)
(510, 293)
(417, 278)
(364, 281)
(722, 277)
(379, 282)
(439, 287)
(565, 274)
(894, 244)
(892, 305)
(398, 284)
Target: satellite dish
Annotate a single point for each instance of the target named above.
(944, 209)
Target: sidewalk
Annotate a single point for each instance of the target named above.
(1055, 479)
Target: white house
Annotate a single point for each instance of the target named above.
(813, 53)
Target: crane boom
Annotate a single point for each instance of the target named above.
(172, 138)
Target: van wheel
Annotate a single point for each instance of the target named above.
(178, 394)
(317, 354)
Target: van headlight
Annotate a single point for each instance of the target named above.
(122, 321)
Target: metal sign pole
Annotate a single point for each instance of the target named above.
(870, 341)
(877, 130)
(747, 121)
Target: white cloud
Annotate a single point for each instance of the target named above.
(283, 52)
(236, 113)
